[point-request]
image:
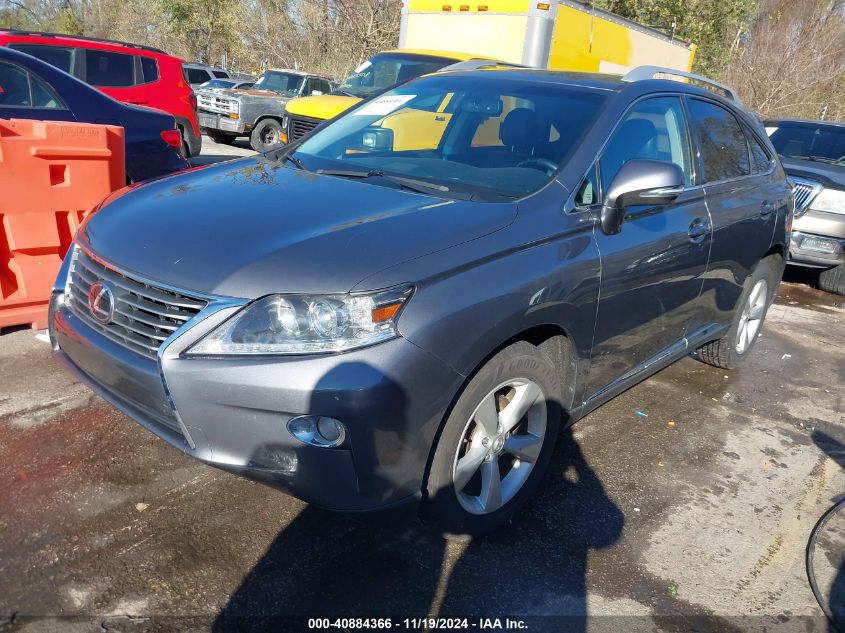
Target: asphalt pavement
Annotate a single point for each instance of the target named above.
(692, 495)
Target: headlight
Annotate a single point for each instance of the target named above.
(306, 324)
(830, 200)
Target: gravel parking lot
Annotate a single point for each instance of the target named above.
(703, 508)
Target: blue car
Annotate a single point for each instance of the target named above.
(32, 89)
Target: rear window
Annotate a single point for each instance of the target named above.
(807, 141)
(107, 69)
(149, 69)
(55, 55)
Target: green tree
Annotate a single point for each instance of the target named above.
(713, 25)
(206, 28)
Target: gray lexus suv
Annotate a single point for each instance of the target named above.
(405, 307)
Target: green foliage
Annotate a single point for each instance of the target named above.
(712, 25)
(206, 28)
(67, 22)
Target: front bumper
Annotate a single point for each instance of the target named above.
(212, 121)
(232, 413)
(800, 254)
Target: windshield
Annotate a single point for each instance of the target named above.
(809, 141)
(382, 72)
(286, 84)
(486, 136)
(218, 83)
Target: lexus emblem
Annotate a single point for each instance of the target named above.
(101, 302)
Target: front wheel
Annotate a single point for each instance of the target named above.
(750, 312)
(833, 280)
(266, 135)
(495, 444)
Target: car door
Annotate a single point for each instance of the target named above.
(26, 96)
(742, 210)
(652, 270)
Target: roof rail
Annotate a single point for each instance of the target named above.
(142, 47)
(474, 64)
(641, 73)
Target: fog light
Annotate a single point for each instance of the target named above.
(317, 431)
(331, 430)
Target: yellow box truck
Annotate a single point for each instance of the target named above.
(562, 35)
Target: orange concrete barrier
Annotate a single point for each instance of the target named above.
(51, 175)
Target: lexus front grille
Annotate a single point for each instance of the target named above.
(141, 316)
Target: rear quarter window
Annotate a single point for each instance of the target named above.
(149, 69)
(760, 159)
(106, 69)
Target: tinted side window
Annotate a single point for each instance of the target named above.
(760, 159)
(149, 69)
(59, 57)
(14, 87)
(20, 89)
(42, 95)
(653, 129)
(197, 75)
(220, 74)
(587, 194)
(722, 143)
(109, 69)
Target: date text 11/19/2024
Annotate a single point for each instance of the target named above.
(413, 624)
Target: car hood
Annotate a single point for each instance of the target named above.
(323, 107)
(828, 175)
(253, 227)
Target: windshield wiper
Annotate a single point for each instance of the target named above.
(293, 159)
(420, 186)
(818, 159)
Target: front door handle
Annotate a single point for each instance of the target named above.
(698, 230)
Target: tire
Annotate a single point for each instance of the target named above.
(833, 280)
(730, 350)
(457, 502)
(186, 147)
(265, 135)
(224, 138)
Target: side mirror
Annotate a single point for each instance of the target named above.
(640, 182)
(316, 93)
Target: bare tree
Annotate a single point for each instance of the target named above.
(791, 62)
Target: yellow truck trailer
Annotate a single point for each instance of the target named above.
(561, 35)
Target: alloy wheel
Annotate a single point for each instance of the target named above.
(499, 446)
(752, 316)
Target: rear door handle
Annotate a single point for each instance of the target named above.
(698, 230)
(767, 208)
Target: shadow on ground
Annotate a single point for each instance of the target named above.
(329, 565)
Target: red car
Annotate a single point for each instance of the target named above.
(131, 73)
